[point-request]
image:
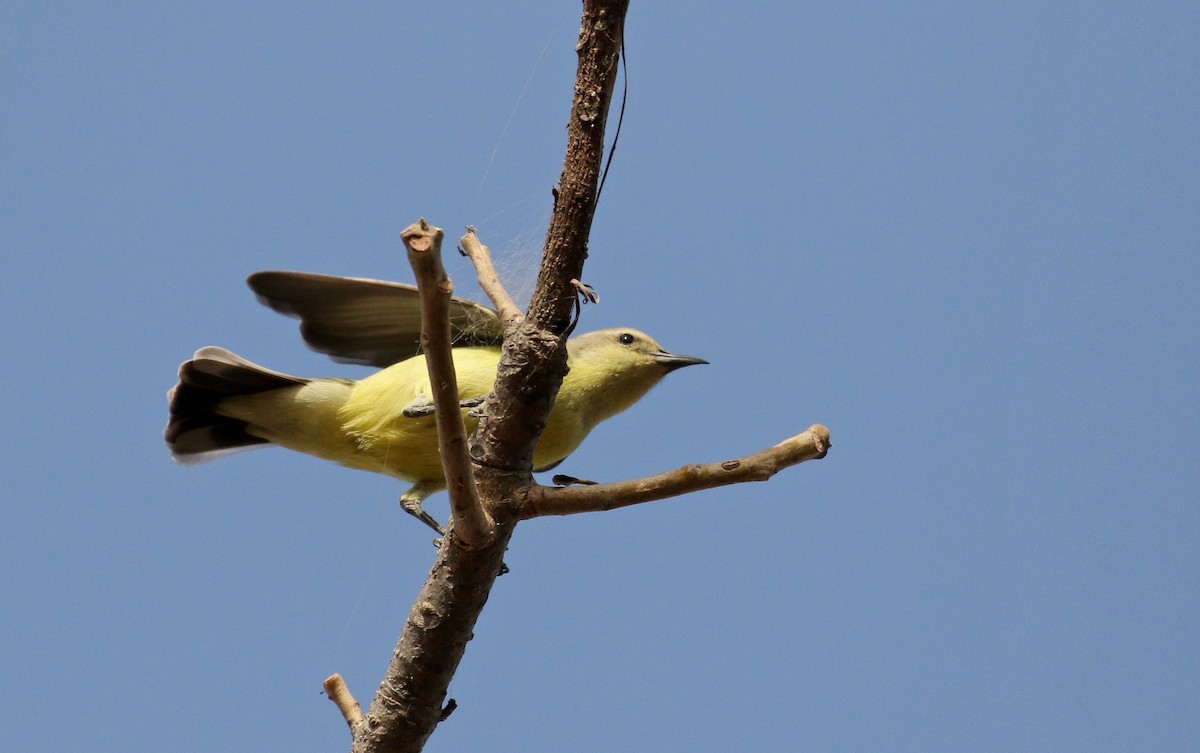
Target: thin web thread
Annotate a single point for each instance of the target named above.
(517, 106)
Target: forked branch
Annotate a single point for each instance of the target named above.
(534, 358)
(409, 703)
(412, 697)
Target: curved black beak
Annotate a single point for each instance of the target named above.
(673, 361)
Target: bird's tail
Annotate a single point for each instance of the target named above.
(196, 431)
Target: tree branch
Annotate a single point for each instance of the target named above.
(335, 688)
(470, 524)
(534, 359)
(567, 500)
(410, 700)
(599, 46)
(481, 257)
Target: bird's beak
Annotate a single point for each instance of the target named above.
(673, 361)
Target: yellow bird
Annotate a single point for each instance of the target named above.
(385, 423)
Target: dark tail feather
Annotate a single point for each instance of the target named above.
(195, 431)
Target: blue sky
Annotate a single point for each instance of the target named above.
(963, 237)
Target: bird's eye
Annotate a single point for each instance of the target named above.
(625, 338)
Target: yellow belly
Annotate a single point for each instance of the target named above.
(362, 424)
(390, 442)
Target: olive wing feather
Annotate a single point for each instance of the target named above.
(370, 322)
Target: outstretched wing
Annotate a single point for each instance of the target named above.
(371, 322)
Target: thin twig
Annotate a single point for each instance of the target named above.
(481, 257)
(472, 526)
(566, 500)
(335, 688)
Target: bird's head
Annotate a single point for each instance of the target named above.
(614, 368)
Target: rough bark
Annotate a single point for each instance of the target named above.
(424, 243)
(410, 699)
(534, 360)
(761, 466)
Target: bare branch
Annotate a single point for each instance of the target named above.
(534, 359)
(411, 698)
(410, 701)
(548, 500)
(600, 41)
(335, 688)
(481, 257)
(471, 525)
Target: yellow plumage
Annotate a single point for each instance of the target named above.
(384, 423)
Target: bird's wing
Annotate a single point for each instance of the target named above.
(372, 322)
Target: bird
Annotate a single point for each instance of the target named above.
(385, 422)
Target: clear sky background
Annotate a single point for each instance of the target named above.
(963, 236)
